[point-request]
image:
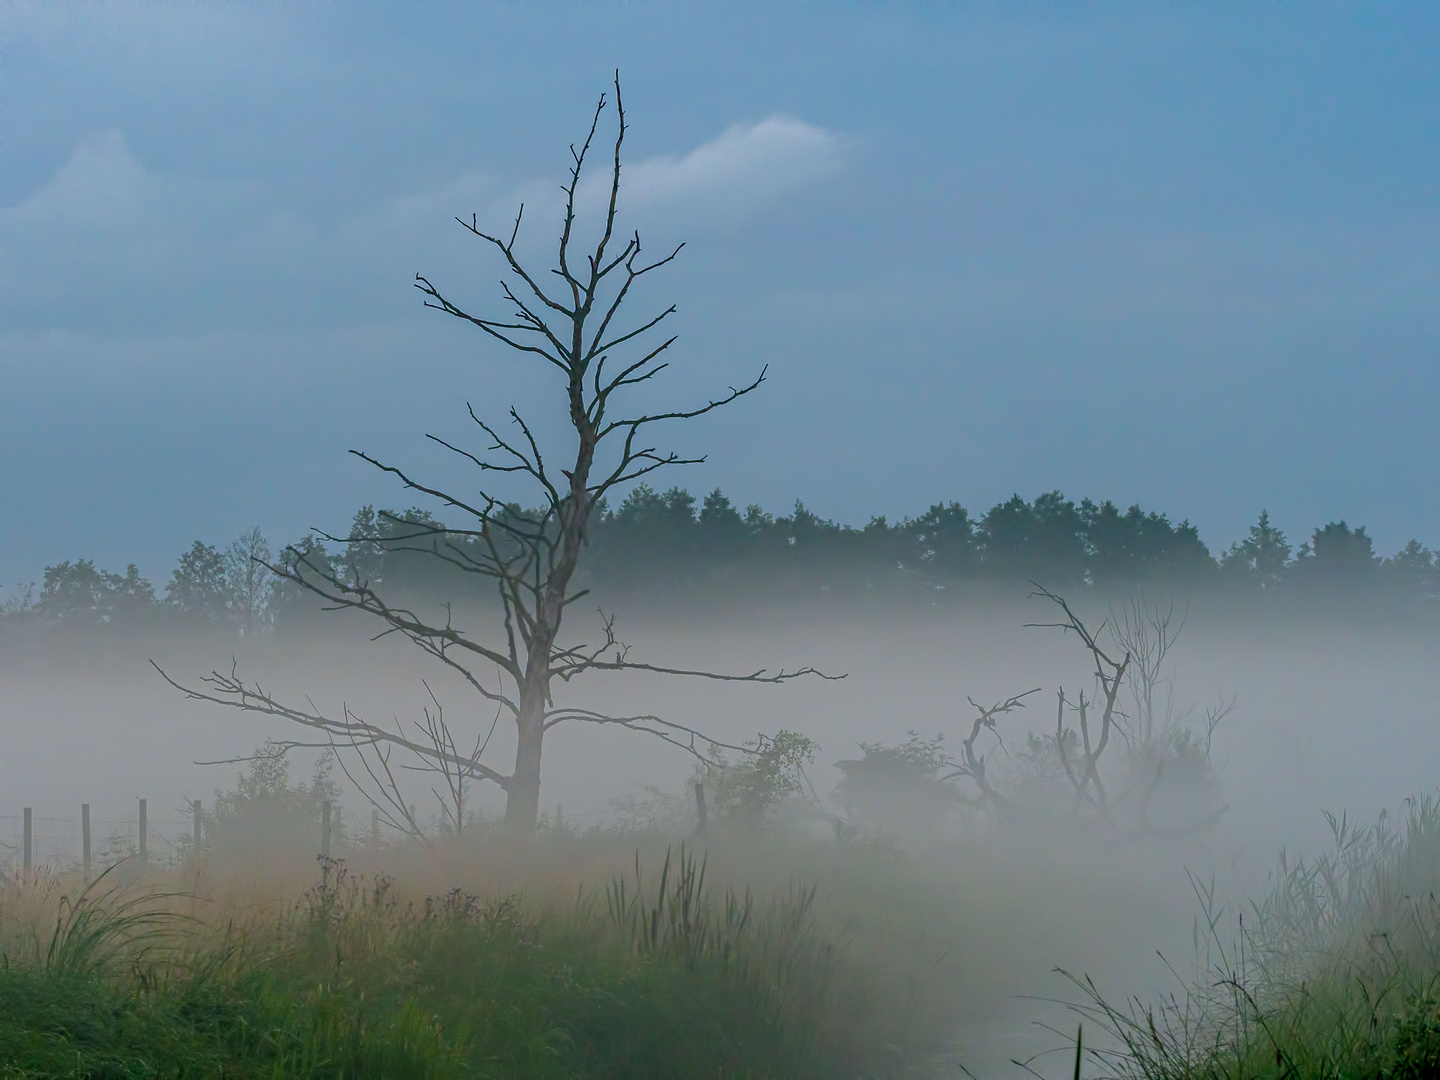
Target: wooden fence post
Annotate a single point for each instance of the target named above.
(374, 832)
(199, 826)
(29, 843)
(325, 829)
(85, 839)
(144, 834)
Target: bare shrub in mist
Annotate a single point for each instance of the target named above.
(1122, 759)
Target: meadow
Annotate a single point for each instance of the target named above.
(624, 952)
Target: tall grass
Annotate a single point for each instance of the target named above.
(357, 980)
(1334, 973)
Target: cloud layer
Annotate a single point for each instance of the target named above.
(108, 241)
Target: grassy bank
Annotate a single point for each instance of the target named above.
(1333, 974)
(577, 953)
(660, 978)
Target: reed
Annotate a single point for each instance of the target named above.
(1334, 973)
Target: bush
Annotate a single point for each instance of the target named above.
(266, 813)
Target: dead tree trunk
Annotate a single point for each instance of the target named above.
(522, 796)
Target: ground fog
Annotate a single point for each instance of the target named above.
(1329, 714)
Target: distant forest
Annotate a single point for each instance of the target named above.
(672, 544)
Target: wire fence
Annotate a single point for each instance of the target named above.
(57, 844)
(31, 842)
(47, 845)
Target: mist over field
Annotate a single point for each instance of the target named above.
(1329, 715)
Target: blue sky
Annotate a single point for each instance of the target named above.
(1180, 255)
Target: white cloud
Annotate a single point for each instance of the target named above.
(744, 168)
(748, 164)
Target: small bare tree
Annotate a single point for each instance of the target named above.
(572, 328)
(1124, 757)
(248, 573)
(1142, 637)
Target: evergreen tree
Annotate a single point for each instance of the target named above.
(289, 604)
(1136, 546)
(1413, 572)
(942, 540)
(1262, 558)
(1337, 555)
(364, 556)
(1043, 541)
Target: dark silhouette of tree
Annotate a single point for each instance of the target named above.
(1262, 558)
(364, 556)
(1412, 573)
(1337, 556)
(651, 535)
(723, 532)
(78, 594)
(1044, 539)
(290, 605)
(1136, 546)
(198, 586)
(942, 541)
(567, 322)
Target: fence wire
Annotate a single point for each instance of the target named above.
(57, 843)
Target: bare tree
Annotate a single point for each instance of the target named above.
(1144, 635)
(1143, 772)
(567, 322)
(972, 763)
(250, 576)
(1147, 632)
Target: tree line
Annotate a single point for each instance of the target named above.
(671, 540)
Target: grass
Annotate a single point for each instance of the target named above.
(663, 979)
(772, 955)
(1334, 974)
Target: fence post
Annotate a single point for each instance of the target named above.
(144, 835)
(85, 839)
(374, 832)
(325, 829)
(29, 844)
(700, 806)
(199, 826)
